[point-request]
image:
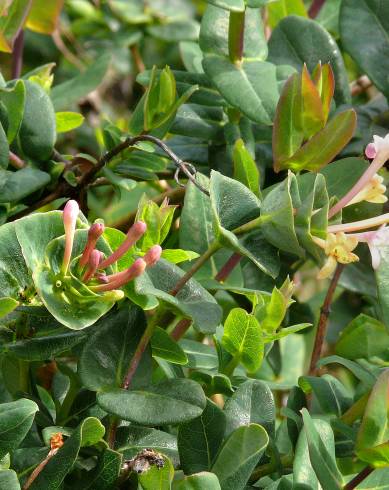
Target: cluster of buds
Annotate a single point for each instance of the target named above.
(343, 238)
(92, 263)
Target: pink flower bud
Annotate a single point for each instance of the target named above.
(116, 281)
(94, 233)
(69, 216)
(153, 255)
(93, 263)
(371, 151)
(136, 231)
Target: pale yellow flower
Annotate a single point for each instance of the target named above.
(338, 248)
(374, 192)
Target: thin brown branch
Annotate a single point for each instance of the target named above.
(315, 8)
(359, 478)
(323, 321)
(138, 61)
(180, 329)
(65, 51)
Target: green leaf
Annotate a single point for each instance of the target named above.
(287, 131)
(200, 356)
(303, 468)
(199, 440)
(282, 8)
(370, 51)
(288, 46)
(107, 354)
(245, 169)
(178, 255)
(37, 131)
(200, 481)
(66, 121)
(231, 5)
(365, 376)
(239, 456)
(156, 478)
(165, 347)
(364, 337)
(324, 145)
(16, 419)
(233, 205)
(382, 277)
(14, 100)
(43, 17)
(277, 212)
(4, 149)
(257, 80)
(192, 301)
(7, 305)
(242, 338)
(89, 432)
(9, 480)
(107, 471)
(322, 454)
(40, 348)
(252, 402)
(11, 22)
(170, 402)
(372, 445)
(69, 92)
(22, 183)
(132, 439)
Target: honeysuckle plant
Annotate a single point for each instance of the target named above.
(194, 246)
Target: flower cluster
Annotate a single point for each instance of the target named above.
(341, 239)
(92, 263)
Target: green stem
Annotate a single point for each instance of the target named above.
(251, 225)
(214, 247)
(236, 36)
(269, 468)
(230, 368)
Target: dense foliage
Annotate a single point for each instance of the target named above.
(194, 257)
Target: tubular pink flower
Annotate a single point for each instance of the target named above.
(116, 281)
(93, 263)
(379, 150)
(69, 217)
(134, 234)
(153, 255)
(94, 233)
(359, 225)
(375, 240)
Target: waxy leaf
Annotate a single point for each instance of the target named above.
(324, 145)
(88, 433)
(199, 440)
(9, 480)
(193, 301)
(170, 402)
(107, 353)
(200, 481)
(322, 454)
(288, 46)
(372, 445)
(282, 8)
(37, 130)
(239, 456)
(165, 347)
(43, 16)
(363, 337)
(12, 20)
(158, 478)
(371, 50)
(257, 80)
(231, 5)
(242, 338)
(13, 99)
(107, 471)
(252, 402)
(66, 121)
(22, 183)
(16, 419)
(245, 169)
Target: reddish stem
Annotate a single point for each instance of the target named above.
(323, 321)
(359, 478)
(180, 329)
(315, 8)
(228, 267)
(17, 55)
